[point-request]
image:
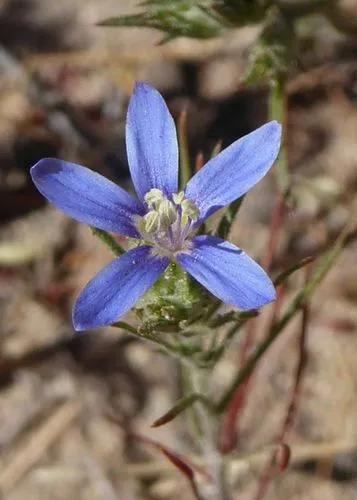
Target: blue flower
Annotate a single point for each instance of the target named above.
(164, 220)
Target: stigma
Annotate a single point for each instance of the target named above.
(168, 223)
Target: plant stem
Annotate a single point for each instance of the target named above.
(152, 337)
(108, 240)
(228, 218)
(284, 275)
(271, 470)
(277, 111)
(185, 168)
(298, 302)
(217, 488)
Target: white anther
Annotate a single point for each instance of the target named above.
(178, 197)
(167, 213)
(154, 197)
(151, 222)
(190, 210)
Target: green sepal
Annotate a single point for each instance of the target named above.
(174, 299)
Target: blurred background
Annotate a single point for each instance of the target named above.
(64, 89)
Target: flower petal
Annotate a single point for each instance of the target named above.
(86, 196)
(114, 291)
(235, 170)
(228, 273)
(151, 142)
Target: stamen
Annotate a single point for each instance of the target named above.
(151, 222)
(167, 213)
(178, 197)
(154, 197)
(168, 224)
(189, 211)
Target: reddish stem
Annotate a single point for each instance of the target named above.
(229, 434)
(200, 161)
(276, 225)
(271, 470)
(183, 464)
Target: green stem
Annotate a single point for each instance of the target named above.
(108, 240)
(284, 275)
(188, 388)
(216, 304)
(152, 338)
(230, 316)
(277, 111)
(214, 461)
(298, 302)
(125, 326)
(185, 168)
(228, 218)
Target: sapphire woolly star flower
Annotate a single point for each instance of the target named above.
(162, 219)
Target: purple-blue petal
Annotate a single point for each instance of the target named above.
(87, 196)
(235, 170)
(228, 273)
(116, 289)
(151, 142)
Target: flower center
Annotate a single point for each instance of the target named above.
(168, 223)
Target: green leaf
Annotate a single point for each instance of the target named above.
(284, 275)
(180, 406)
(175, 17)
(228, 218)
(108, 240)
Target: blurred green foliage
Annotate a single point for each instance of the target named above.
(190, 18)
(242, 12)
(274, 54)
(211, 18)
